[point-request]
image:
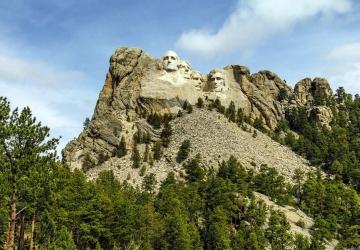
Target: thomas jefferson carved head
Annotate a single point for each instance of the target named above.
(185, 69)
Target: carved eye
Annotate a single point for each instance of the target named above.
(172, 57)
(196, 78)
(166, 58)
(218, 78)
(212, 79)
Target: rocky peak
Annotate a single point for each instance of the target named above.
(138, 85)
(308, 92)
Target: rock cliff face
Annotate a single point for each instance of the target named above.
(138, 85)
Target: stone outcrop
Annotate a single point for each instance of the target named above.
(138, 85)
(314, 95)
(307, 91)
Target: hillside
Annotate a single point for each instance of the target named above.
(216, 139)
(150, 111)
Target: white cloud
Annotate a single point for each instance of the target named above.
(20, 71)
(254, 21)
(344, 67)
(348, 52)
(56, 97)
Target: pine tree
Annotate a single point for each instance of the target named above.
(230, 112)
(183, 152)
(86, 123)
(189, 109)
(154, 120)
(157, 150)
(88, 163)
(147, 138)
(254, 134)
(258, 124)
(218, 237)
(301, 242)
(146, 153)
(176, 235)
(165, 134)
(298, 179)
(98, 247)
(24, 150)
(200, 103)
(149, 183)
(194, 172)
(185, 105)
(239, 116)
(283, 94)
(142, 170)
(138, 137)
(136, 157)
(277, 231)
(121, 149)
(62, 241)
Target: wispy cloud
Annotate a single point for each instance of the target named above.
(344, 66)
(55, 96)
(349, 52)
(254, 21)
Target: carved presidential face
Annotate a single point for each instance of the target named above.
(185, 69)
(170, 61)
(196, 77)
(217, 81)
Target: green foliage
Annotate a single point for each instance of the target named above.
(154, 119)
(142, 170)
(258, 124)
(136, 158)
(62, 241)
(232, 170)
(88, 163)
(283, 94)
(218, 237)
(185, 105)
(176, 234)
(183, 152)
(121, 150)
(270, 183)
(165, 134)
(188, 107)
(254, 135)
(301, 242)
(157, 151)
(138, 136)
(3, 205)
(217, 106)
(230, 112)
(86, 123)
(146, 153)
(141, 137)
(204, 210)
(194, 172)
(200, 103)
(149, 182)
(240, 117)
(27, 157)
(277, 231)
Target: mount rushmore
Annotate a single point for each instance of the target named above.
(138, 85)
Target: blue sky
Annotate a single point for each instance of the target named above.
(54, 54)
